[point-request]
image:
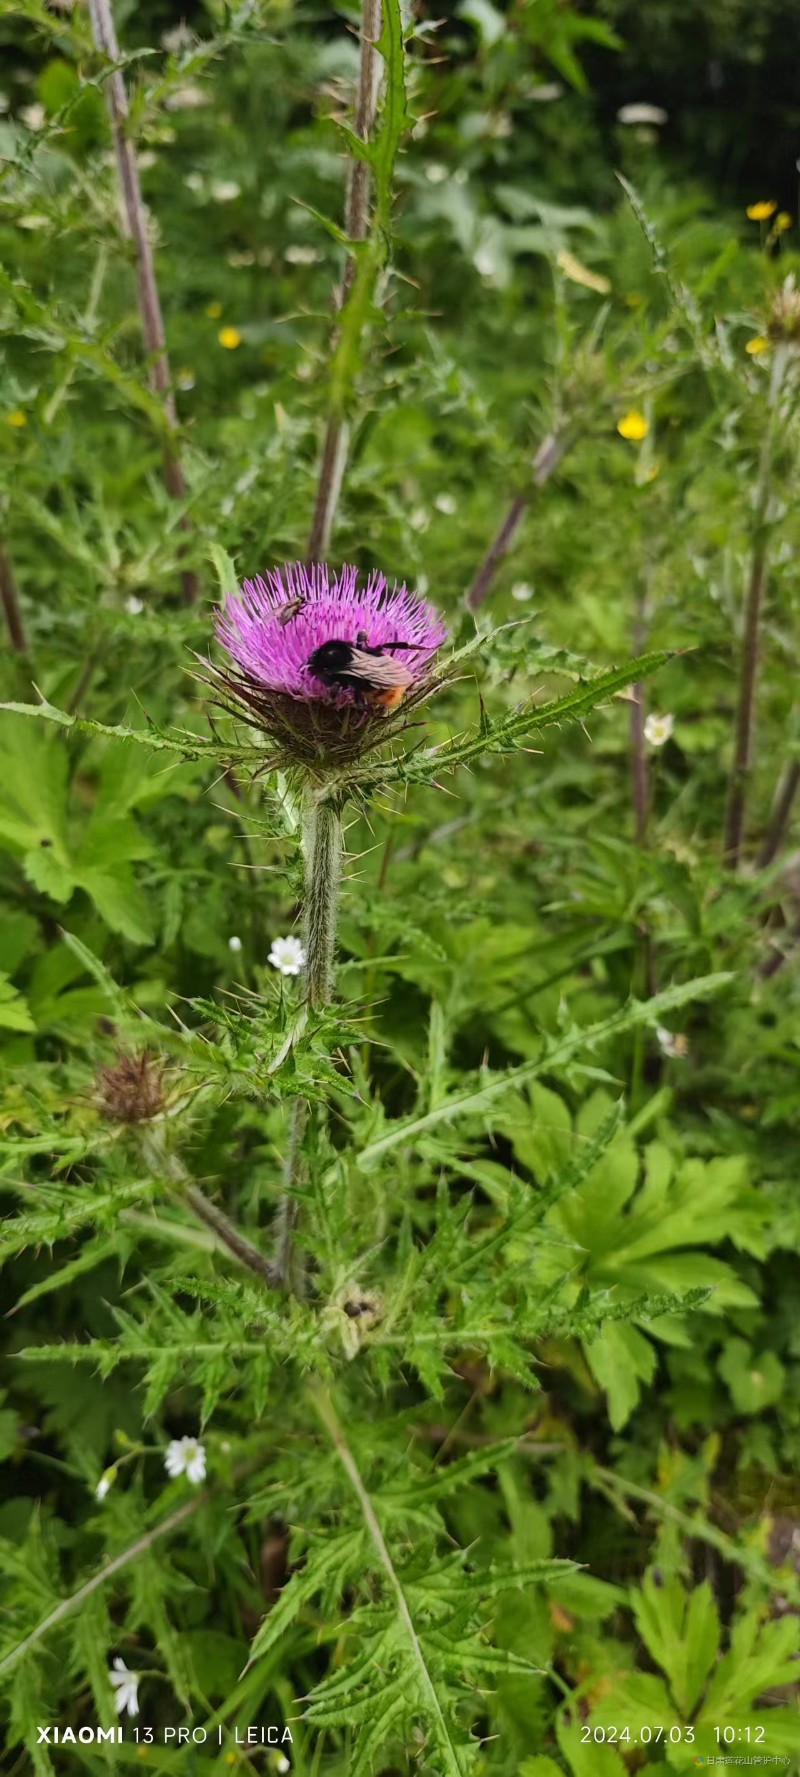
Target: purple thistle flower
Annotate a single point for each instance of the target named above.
(273, 629)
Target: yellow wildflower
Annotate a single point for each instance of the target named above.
(214, 310)
(759, 344)
(230, 338)
(782, 221)
(633, 426)
(16, 417)
(762, 211)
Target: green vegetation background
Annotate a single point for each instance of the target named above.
(513, 1488)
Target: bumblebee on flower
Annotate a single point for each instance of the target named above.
(324, 665)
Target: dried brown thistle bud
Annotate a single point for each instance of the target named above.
(784, 317)
(132, 1090)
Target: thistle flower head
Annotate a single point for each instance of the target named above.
(132, 1090)
(273, 631)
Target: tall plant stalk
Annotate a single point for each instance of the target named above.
(357, 208)
(744, 730)
(135, 221)
(546, 461)
(322, 845)
(10, 604)
(781, 814)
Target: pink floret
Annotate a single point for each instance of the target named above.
(275, 653)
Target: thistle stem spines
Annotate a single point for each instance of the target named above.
(322, 846)
(322, 843)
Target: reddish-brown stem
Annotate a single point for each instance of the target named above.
(546, 461)
(745, 713)
(337, 437)
(781, 814)
(10, 603)
(744, 730)
(231, 1236)
(135, 220)
(640, 772)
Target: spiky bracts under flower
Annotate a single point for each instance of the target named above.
(272, 629)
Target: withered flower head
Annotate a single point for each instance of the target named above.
(784, 317)
(324, 666)
(132, 1090)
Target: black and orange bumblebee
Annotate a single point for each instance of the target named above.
(372, 675)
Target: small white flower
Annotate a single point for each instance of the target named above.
(419, 519)
(282, 1763)
(299, 254)
(235, 944)
(641, 113)
(484, 262)
(147, 159)
(435, 172)
(178, 37)
(195, 182)
(447, 504)
(126, 1685)
(521, 591)
(185, 1456)
(33, 116)
(657, 729)
(224, 191)
(287, 955)
(671, 1042)
(104, 1484)
(186, 98)
(134, 605)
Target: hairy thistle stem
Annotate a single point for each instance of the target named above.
(322, 846)
(744, 730)
(135, 218)
(337, 436)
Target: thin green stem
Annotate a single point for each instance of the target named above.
(337, 437)
(326, 1412)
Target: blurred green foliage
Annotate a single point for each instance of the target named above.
(519, 1469)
